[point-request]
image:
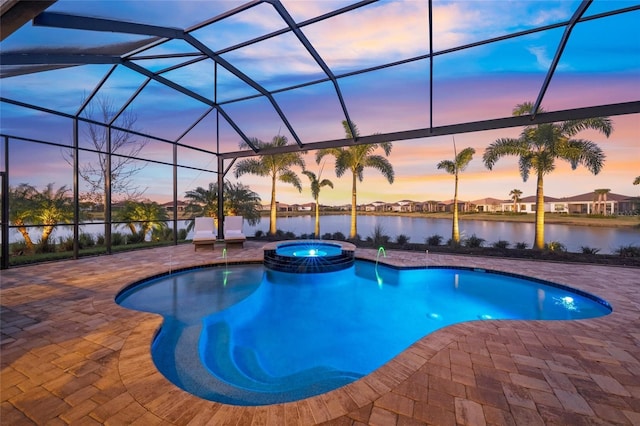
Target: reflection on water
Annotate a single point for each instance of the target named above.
(418, 229)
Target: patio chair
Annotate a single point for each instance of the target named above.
(233, 235)
(204, 232)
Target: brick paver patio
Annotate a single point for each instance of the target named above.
(70, 355)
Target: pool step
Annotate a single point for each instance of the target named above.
(239, 366)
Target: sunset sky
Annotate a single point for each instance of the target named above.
(600, 65)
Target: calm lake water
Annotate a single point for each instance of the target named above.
(419, 229)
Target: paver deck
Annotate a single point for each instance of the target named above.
(70, 355)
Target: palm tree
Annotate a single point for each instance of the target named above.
(539, 146)
(276, 166)
(149, 215)
(316, 184)
(636, 181)
(356, 158)
(238, 199)
(53, 207)
(202, 202)
(454, 167)
(515, 196)
(22, 207)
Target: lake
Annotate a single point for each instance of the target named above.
(607, 239)
(418, 229)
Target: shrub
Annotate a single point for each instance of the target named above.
(501, 244)
(182, 234)
(378, 238)
(18, 249)
(259, 234)
(339, 236)
(290, 235)
(100, 239)
(85, 240)
(66, 244)
(450, 243)
(117, 239)
(628, 251)
(474, 242)
(521, 245)
(434, 240)
(402, 239)
(589, 250)
(326, 236)
(45, 247)
(135, 238)
(555, 246)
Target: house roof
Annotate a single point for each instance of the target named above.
(592, 196)
(487, 200)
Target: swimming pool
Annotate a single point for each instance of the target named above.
(247, 335)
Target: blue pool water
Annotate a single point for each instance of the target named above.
(248, 336)
(314, 249)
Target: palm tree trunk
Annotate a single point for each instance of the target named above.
(455, 232)
(25, 234)
(354, 230)
(46, 232)
(272, 218)
(317, 229)
(132, 227)
(538, 242)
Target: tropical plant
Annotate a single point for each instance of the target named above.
(501, 244)
(238, 200)
(356, 158)
(515, 196)
(275, 166)
(630, 250)
(589, 250)
(555, 246)
(636, 181)
(402, 239)
(434, 240)
(53, 208)
(540, 145)
(521, 245)
(316, 184)
(22, 207)
(378, 237)
(474, 241)
(202, 202)
(148, 215)
(454, 167)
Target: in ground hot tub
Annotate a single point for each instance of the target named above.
(309, 256)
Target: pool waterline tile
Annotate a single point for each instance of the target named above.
(52, 308)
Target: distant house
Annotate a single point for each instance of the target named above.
(168, 206)
(608, 204)
(376, 206)
(487, 205)
(528, 205)
(447, 206)
(579, 204)
(426, 206)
